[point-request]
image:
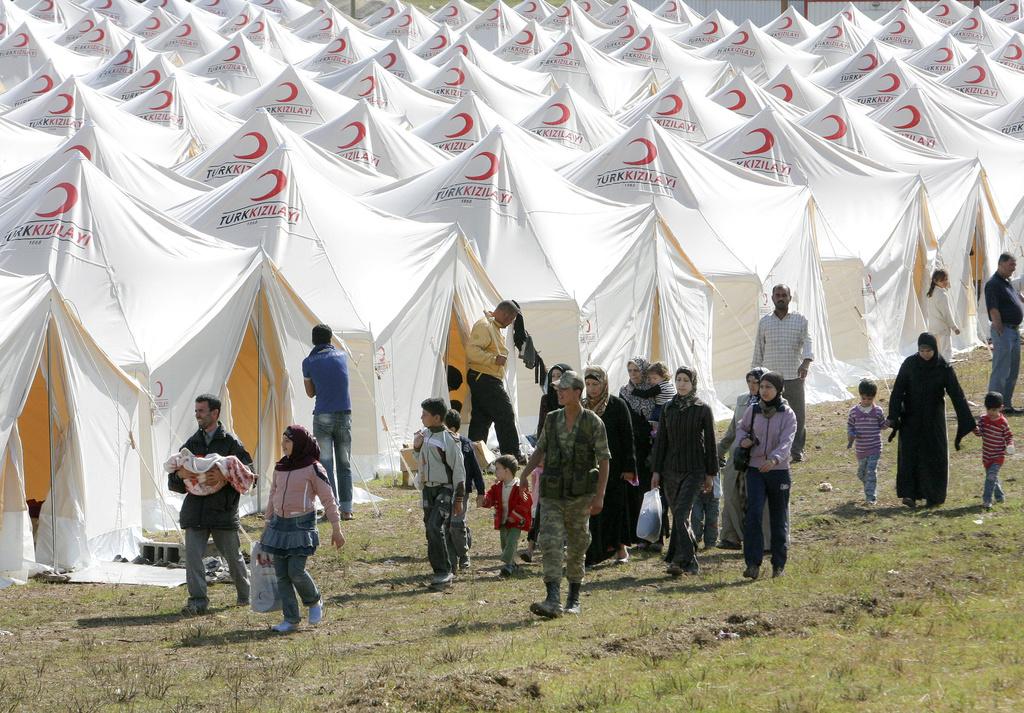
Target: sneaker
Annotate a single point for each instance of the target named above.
(752, 571)
(441, 581)
(284, 627)
(193, 610)
(464, 562)
(726, 545)
(316, 613)
(241, 602)
(507, 570)
(778, 572)
(987, 506)
(797, 458)
(870, 503)
(525, 556)
(348, 516)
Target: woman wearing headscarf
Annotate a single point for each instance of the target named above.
(768, 429)
(734, 485)
(939, 311)
(917, 412)
(291, 534)
(685, 457)
(548, 403)
(609, 529)
(640, 397)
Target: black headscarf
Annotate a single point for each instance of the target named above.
(305, 449)
(757, 372)
(550, 397)
(776, 404)
(927, 339)
(683, 402)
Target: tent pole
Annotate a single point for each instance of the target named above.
(49, 431)
(259, 392)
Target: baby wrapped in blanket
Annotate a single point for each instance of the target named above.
(205, 475)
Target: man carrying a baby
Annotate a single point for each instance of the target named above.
(214, 515)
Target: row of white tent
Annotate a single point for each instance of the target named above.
(186, 188)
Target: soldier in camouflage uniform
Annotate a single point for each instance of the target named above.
(574, 452)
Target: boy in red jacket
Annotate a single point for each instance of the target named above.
(512, 510)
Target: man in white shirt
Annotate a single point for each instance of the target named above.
(783, 345)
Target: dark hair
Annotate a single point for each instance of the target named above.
(867, 388)
(434, 406)
(508, 462)
(659, 367)
(508, 306)
(939, 274)
(453, 419)
(1004, 257)
(993, 399)
(457, 407)
(783, 287)
(212, 402)
(322, 334)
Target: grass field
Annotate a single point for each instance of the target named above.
(880, 610)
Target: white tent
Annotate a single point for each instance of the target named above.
(23, 145)
(981, 30)
(854, 14)
(221, 8)
(892, 79)
(679, 12)
(390, 94)
(986, 80)
(627, 12)
(151, 183)
(55, 13)
(24, 51)
(129, 60)
(329, 24)
(860, 65)
(496, 25)
(947, 12)
(143, 79)
(837, 41)
(797, 90)
(269, 35)
(942, 56)
(188, 38)
(470, 119)
(409, 27)
(570, 120)
(1011, 53)
(572, 16)
(79, 28)
(654, 49)
(905, 9)
(1007, 119)
(179, 9)
(711, 29)
(1006, 11)
(537, 82)
(743, 96)
(617, 37)
(367, 136)
(238, 66)
(566, 255)
(385, 12)
(104, 41)
(455, 13)
(45, 79)
(123, 13)
(297, 102)
(436, 43)
(458, 77)
(909, 33)
(536, 10)
(346, 49)
(261, 134)
(531, 41)
(750, 50)
(790, 27)
(394, 57)
(687, 114)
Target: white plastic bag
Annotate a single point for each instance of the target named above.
(263, 594)
(648, 525)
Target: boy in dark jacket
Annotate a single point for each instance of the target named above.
(513, 508)
(459, 536)
(214, 515)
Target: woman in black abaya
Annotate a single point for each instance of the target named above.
(917, 412)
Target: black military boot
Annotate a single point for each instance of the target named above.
(551, 607)
(572, 602)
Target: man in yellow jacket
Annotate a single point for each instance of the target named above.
(487, 357)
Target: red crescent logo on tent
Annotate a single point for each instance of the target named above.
(70, 198)
(467, 124)
(530, 7)
(163, 3)
(848, 15)
(943, 11)
(972, 24)
(110, 4)
(587, 7)
(672, 7)
(49, 6)
(87, 29)
(646, 44)
(101, 32)
(650, 155)
(441, 44)
(128, 54)
(48, 80)
(564, 12)
(186, 30)
(406, 22)
(714, 27)
(789, 23)
(902, 26)
(3, 29)
(563, 110)
(630, 31)
(156, 78)
(840, 128)
(492, 168)
(1012, 10)
(895, 83)
(746, 37)
(155, 25)
(495, 13)
(463, 49)
(948, 58)
(741, 100)
(267, 3)
(80, 149)
(280, 181)
(342, 44)
(373, 85)
(360, 134)
(389, 60)
(259, 28)
(568, 49)
(915, 115)
(1018, 53)
(390, 12)
(872, 65)
(261, 146)
(677, 105)
(769, 142)
(623, 11)
(328, 24)
(980, 71)
(237, 51)
(528, 40)
(453, 11)
(460, 77)
(168, 98)
(293, 91)
(159, 389)
(211, 3)
(242, 21)
(838, 34)
(69, 101)
(786, 90)
(24, 39)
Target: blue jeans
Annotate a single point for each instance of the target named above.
(867, 471)
(772, 487)
(704, 519)
(992, 484)
(1005, 362)
(292, 577)
(333, 431)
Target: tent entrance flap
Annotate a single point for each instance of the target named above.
(248, 388)
(456, 360)
(35, 440)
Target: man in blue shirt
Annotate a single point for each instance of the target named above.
(325, 371)
(1005, 312)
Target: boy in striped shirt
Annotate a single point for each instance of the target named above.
(996, 444)
(864, 427)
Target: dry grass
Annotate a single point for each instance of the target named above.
(881, 610)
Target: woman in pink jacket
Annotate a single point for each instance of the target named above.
(291, 534)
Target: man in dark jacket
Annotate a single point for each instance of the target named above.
(214, 515)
